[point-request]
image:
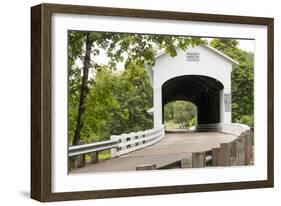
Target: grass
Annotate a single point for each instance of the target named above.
(103, 155)
(171, 125)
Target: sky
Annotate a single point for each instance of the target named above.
(248, 45)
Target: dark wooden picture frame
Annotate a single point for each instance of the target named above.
(41, 116)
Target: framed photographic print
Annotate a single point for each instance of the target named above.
(130, 102)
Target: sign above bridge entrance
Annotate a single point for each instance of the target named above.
(192, 57)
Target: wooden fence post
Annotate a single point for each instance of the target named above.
(198, 159)
(186, 162)
(225, 154)
(216, 156)
(94, 157)
(233, 153)
(247, 149)
(241, 151)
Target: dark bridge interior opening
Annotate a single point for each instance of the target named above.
(203, 91)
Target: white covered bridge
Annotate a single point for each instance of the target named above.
(201, 75)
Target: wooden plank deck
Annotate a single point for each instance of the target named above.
(173, 147)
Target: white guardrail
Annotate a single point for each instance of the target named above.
(136, 140)
(233, 128)
(92, 147)
(120, 144)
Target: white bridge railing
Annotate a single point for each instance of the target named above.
(118, 144)
(233, 128)
(136, 140)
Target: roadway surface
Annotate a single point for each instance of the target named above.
(173, 147)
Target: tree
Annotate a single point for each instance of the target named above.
(130, 49)
(134, 94)
(101, 106)
(84, 88)
(242, 80)
(117, 103)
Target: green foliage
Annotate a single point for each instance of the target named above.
(242, 79)
(247, 119)
(117, 103)
(193, 121)
(180, 114)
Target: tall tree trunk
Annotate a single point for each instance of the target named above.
(84, 89)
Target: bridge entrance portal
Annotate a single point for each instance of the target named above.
(201, 75)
